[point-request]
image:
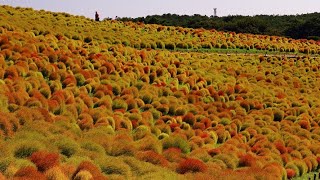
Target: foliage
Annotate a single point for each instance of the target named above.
(119, 97)
(295, 26)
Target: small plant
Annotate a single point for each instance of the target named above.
(230, 160)
(191, 165)
(55, 173)
(83, 174)
(278, 115)
(189, 118)
(119, 104)
(29, 173)
(114, 166)
(176, 142)
(87, 168)
(26, 148)
(44, 160)
(67, 146)
(290, 173)
(152, 157)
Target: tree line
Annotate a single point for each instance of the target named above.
(305, 26)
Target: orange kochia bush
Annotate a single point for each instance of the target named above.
(44, 160)
(191, 165)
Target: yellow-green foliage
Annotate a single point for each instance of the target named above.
(114, 166)
(176, 142)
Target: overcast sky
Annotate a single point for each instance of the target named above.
(138, 8)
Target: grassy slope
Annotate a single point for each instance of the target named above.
(70, 87)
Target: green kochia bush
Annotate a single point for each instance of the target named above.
(25, 148)
(114, 166)
(176, 142)
(67, 146)
(119, 104)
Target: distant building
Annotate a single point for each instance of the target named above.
(215, 12)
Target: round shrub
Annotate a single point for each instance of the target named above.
(83, 174)
(146, 97)
(290, 173)
(153, 158)
(26, 148)
(230, 160)
(170, 45)
(115, 166)
(87, 168)
(189, 118)
(140, 132)
(176, 142)
(191, 165)
(179, 111)
(44, 160)
(55, 173)
(67, 146)
(29, 173)
(293, 168)
(278, 115)
(119, 104)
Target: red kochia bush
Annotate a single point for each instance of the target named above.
(152, 157)
(44, 160)
(248, 160)
(191, 165)
(189, 118)
(28, 173)
(94, 170)
(290, 173)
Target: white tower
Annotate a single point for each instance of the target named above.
(215, 12)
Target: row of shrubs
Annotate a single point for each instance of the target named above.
(41, 23)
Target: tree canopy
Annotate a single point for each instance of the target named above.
(305, 26)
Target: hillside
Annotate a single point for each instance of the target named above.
(112, 100)
(304, 26)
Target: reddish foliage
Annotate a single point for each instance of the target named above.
(152, 157)
(245, 104)
(204, 135)
(173, 126)
(247, 160)
(281, 95)
(290, 173)
(281, 147)
(220, 93)
(172, 154)
(44, 160)
(213, 152)
(11, 72)
(289, 149)
(199, 125)
(58, 96)
(305, 124)
(239, 98)
(28, 173)
(94, 170)
(191, 165)
(207, 122)
(69, 80)
(110, 67)
(146, 69)
(237, 88)
(189, 118)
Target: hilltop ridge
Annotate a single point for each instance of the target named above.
(295, 26)
(141, 36)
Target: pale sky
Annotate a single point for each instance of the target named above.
(140, 8)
